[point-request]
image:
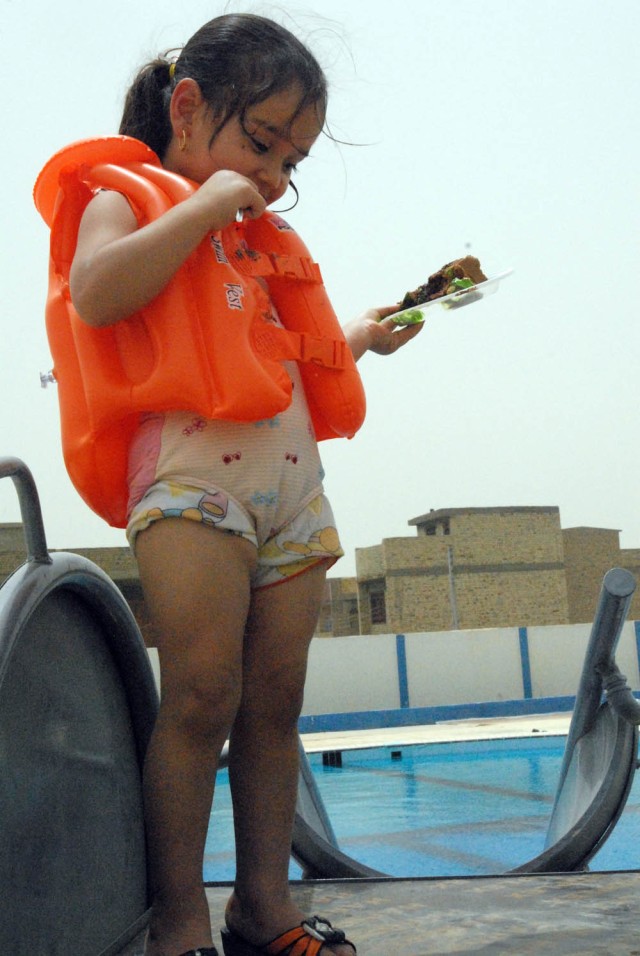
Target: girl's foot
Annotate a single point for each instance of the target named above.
(260, 929)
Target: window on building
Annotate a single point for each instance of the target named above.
(439, 528)
(378, 606)
(353, 616)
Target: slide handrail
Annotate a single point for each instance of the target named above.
(616, 593)
(30, 511)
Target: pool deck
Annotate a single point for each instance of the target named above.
(449, 731)
(591, 913)
(546, 915)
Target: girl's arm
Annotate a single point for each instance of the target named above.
(118, 268)
(372, 332)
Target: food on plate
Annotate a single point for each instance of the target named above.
(453, 277)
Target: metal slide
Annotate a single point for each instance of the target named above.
(596, 775)
(77, 707)
(601, 752)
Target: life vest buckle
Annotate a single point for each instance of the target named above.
(281, 344)
(295, 267)
(252, 263)
(329, 353)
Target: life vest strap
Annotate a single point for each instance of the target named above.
(250, 262)
(285, 344)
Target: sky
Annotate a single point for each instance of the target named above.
(504, 128)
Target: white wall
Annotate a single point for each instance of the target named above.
(349, 674)
(556, 654)
(457, 667)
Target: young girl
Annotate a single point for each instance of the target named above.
(235, 592)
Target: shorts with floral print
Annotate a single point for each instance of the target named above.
(309, 538)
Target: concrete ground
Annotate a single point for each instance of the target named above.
(546, 915)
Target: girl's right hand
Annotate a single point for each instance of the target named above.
(223, 194)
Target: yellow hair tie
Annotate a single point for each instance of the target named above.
(172, 70)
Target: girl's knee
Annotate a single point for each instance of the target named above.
(279, 700)
(204, 702)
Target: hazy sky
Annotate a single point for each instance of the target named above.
(504, 127)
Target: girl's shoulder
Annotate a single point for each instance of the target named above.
(111, 209)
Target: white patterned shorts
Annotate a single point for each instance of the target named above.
(308, 539)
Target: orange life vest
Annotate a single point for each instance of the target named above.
(207, 343)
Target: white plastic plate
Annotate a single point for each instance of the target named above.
(418, 313)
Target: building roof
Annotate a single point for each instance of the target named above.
(588, 527)
(435, 515)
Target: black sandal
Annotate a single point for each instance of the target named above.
(207, 951)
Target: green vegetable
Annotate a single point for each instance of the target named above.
(409, 317)
(462, 284)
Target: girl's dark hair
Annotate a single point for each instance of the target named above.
(237, 60)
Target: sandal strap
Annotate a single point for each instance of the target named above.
(307, 939)
(295, 942)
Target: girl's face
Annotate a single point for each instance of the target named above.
(265, 147)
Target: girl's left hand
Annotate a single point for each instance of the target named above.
(373, 332)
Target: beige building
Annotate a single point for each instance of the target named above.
(474, 568)
(464, 568)
(588, 555)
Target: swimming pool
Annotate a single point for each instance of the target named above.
(462, 809)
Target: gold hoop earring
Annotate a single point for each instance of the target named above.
(182, 142)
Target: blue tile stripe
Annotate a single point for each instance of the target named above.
(403, 675)
(525, 663)
(413, 716)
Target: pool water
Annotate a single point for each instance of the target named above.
(462, 809)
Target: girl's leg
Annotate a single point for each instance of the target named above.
(263, 756)
(196, 585)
